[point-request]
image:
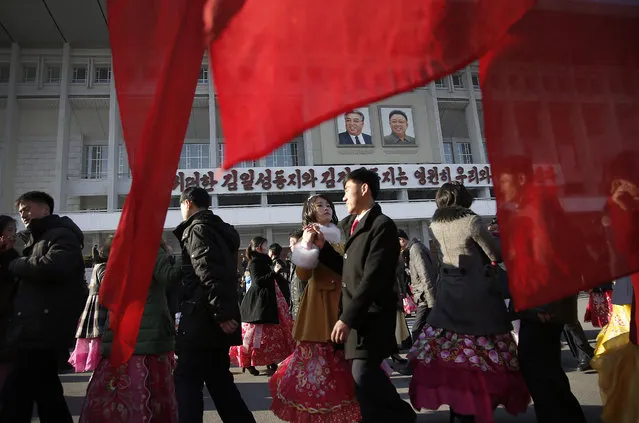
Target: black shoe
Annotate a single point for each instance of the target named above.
(401, 366)
(584, 366)
(397, 359)
(272, 367)
(252, 370)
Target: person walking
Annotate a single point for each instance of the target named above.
(208, 312)
(367, 317)
(8, 285)
(314, 384)
(50, 295)
(266, 320)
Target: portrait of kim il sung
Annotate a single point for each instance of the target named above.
(398, 127)
(354, 128)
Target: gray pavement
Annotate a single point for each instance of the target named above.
(256, 394)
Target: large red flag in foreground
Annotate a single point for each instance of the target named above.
(157, 53)
(562, 90)
(280, 67)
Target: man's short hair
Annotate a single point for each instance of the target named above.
(297, 234)
(276, 249)
(397, 112)
(402, 234)
(365, 176)
(196, 195)
(357, 112)
(37, 197)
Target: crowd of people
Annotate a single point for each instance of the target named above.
(326, 325)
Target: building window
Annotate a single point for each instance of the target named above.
(123, 163)
(204, 75)
(102, 74)
(79, 75)
(448, 153)
(194, 156)
(464, 155)
(52, 74)
(285, 156)
(95, 161)
(475, 78)
(29, 73)
(5, 70)
(458, 80)
(441, 83)
(220, 158)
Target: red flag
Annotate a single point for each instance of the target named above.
(283, 66)
(157, 48)
(561, 112)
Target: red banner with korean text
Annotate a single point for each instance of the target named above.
(563, 87)
(157, 48)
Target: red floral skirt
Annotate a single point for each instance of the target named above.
(471, 374)
(264, 344)
(139, 391)
(599, 309)
(314, 385)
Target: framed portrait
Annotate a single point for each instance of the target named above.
(398, 126)
(354, 129)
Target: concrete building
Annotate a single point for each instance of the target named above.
(60, 132)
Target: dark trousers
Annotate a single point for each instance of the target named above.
(540, 360)
(194, 369)
(34, 379)
(377, 396)
(420, 321)
(578, 343)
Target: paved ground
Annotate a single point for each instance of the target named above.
(256, 394)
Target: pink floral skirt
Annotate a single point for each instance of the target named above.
(314, 385)
(471, 374)
(86, 355)
(264, 344)
(599, 309)
(140, 391)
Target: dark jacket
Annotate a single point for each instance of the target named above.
(622, 292)
(51, 290)
(8, 286)
(157, 330)
(260, 302)
(283, 282)
(368, 283)
(208, 291)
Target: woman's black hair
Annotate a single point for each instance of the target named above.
(308, 211)
(453, 194)
(253, 245)
(5, 221)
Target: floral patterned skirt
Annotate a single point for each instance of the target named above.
(139, 391)
(616, 332)
(314, 385)
(471, 374)
(264, 344)
(599, 309)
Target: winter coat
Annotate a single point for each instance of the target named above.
(369, 301)
(423, 273)
(319, 307)
(468, 298)
(157, 330)
(8, 286)
(51, 291)
(208, 291)
(260, 302)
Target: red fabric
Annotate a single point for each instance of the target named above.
(562, 90)
(284, 66)
(599, 309)
(157, 49)
(354, 226)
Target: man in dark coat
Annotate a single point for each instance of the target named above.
(369, 304)
(49, 299)
(209, 312)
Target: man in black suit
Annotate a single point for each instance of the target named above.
(368, 308)
(354, 124)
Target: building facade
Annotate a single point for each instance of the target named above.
(60, 132)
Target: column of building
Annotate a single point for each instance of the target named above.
(213, 159)
(113, 148)
(474, 127)
(9, 144)
(60, 192)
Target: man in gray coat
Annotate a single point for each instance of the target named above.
(423, 276)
